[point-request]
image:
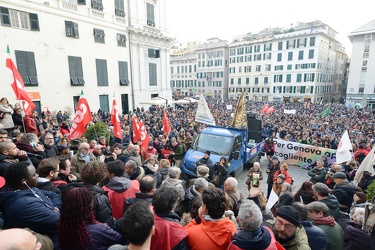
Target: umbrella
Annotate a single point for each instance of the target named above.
(157, 101)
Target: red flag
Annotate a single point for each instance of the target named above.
(82, 118)
(136, 129)
(18, 86)
(264, 109)
(270, 110)
(166, 126)
(144, 136)
(115, 121)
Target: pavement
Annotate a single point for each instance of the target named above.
(298, 174)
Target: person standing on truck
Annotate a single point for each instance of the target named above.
(271, 169)
(205, 161)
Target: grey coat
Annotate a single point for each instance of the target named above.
(7, 122)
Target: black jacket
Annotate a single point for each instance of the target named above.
(6, 160)
(102, 207)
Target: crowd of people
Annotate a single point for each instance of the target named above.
(115, 194)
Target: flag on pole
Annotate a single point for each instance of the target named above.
(264, 109)
(270, 110)
(240, 115)
(82, 118)
(136, 129)
(18, 86)
(203, 114)
(326, 112)
(145, 139)
(343, 153)
(366, 165)
(166, 125)
(117, 132)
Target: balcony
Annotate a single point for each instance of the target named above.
(68, 5)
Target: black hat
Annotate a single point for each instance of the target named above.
(62, 147)
(289, 213)
(208, 152)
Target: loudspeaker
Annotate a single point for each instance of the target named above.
(254, 127)
(254, 135)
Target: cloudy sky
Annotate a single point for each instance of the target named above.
(198, 20)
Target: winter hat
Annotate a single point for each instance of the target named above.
(339, 175)
(289, 213)
(208, 152)
(318, 206)
(150, 144)
(282, 176)
(62, 147)
(202, 171)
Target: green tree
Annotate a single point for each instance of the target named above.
(96, 130)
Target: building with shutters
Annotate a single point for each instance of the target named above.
(361, 81)
(109, 49)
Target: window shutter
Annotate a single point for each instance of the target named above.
(22, 66)
(5, 19)
(34, 22)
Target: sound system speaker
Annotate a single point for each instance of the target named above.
(254, 127)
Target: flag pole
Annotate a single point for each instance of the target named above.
(23, 116)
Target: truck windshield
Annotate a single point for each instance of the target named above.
(216, 144)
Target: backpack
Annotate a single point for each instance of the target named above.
(360, 157)
(236, 204)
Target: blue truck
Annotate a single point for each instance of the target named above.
(232, 143)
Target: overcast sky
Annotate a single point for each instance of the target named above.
(198, 20)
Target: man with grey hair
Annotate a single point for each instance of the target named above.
(235, 196)
(133, 170)
(318, 213)
(80, 158)
(194, 191)
(35, 151)
(252, 234)
(322, 194)
(135, 156)
(173, 181)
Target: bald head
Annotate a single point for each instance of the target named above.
(18, 239)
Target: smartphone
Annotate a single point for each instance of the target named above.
(32, 144)
(255, 180)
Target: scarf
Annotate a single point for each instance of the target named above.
(329, 220)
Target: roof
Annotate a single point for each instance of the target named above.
(222, 131)
(365, 29)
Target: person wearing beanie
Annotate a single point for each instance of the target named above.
(288, 230)
(318, 213)
(359, 200)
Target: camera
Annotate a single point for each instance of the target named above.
(106, 151)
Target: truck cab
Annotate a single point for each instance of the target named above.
(228, 142)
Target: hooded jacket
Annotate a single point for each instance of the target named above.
(119, 189)
(333, 206)
(263, 238)
(344, 193)
(21, 208)
(213, 235)
(176, 184)
(317, 238)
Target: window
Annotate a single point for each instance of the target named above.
(289, 67)
(81, 2)
(19, 19)
(280, 46)
(312, 41)
(311, 54)
(290, 56)
(232, 81)
(299, 77)
(71, 29)
(256, 80)
(288, 77)
(76, 71)
(279, 67)
(119, 8)
(99, 36)
(300, 55)
(97, 4)
(265, 79)
(155, 53)
(27, 67)
(123, 73)
(247, 80)
(152, 74)
(247, 69)
(121, 40)
(101, 72)
(150, 15)
(257, 68)
(104, 103)
(267, 67)
(278, 78)
(239, 81)
(279, 57)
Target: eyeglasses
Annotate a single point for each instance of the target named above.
(287, 227)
